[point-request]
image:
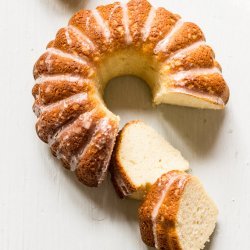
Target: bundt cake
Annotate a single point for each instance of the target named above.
(140, 157)
(177, 213)
(112, 40)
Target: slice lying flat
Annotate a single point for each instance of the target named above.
(177, 213)
(140, 157)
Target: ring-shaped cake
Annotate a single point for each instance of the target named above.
(171, 55)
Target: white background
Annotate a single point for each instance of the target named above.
(42, 207)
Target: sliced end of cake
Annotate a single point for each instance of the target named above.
(140, 157)
(177, 213)
(196, 217)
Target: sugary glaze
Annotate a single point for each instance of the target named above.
(160, 202)
(116, 39)
(149, 210)
(159, 215)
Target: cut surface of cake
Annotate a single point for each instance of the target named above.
(177, 213)
(117, 39)
(140, 157)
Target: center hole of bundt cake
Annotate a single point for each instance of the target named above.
(129, 97)
(128, 79)
(129, 62)
(164, 86)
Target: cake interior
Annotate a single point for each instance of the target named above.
(196, 216)
(133, 62)
(145, 155)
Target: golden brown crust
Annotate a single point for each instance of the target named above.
(165, 221)
(93, 164)
(138, 11)
(85, 21)
(147, 207)
(71, 40)
(162, 16)
(121, 181)
(53, 91)
(50, 44)
(52, 64)
(202, 57)
(187, 35)
(145, 213)
(211, 85)
(74, 137)
(52, 119)
(112, 14)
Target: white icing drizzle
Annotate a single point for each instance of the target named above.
(48, 62)
(192, 73)
(86, 121)
(185, 51)
(113, 10)
(182, 181)
(38, 107)
(106, 130)
(158, 205)
(76, 158)
(69, 41)
(66, 55)
(125, 21)
(73, 163)
(87, 22)
(161, 46)
(82, 38)
(181, 184)
(52, 139)
(57, 78)
(102, 24)
(65, 102)
(214, 99)
(148, 24)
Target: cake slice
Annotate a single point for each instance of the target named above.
(140, 157)
(177, 213)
